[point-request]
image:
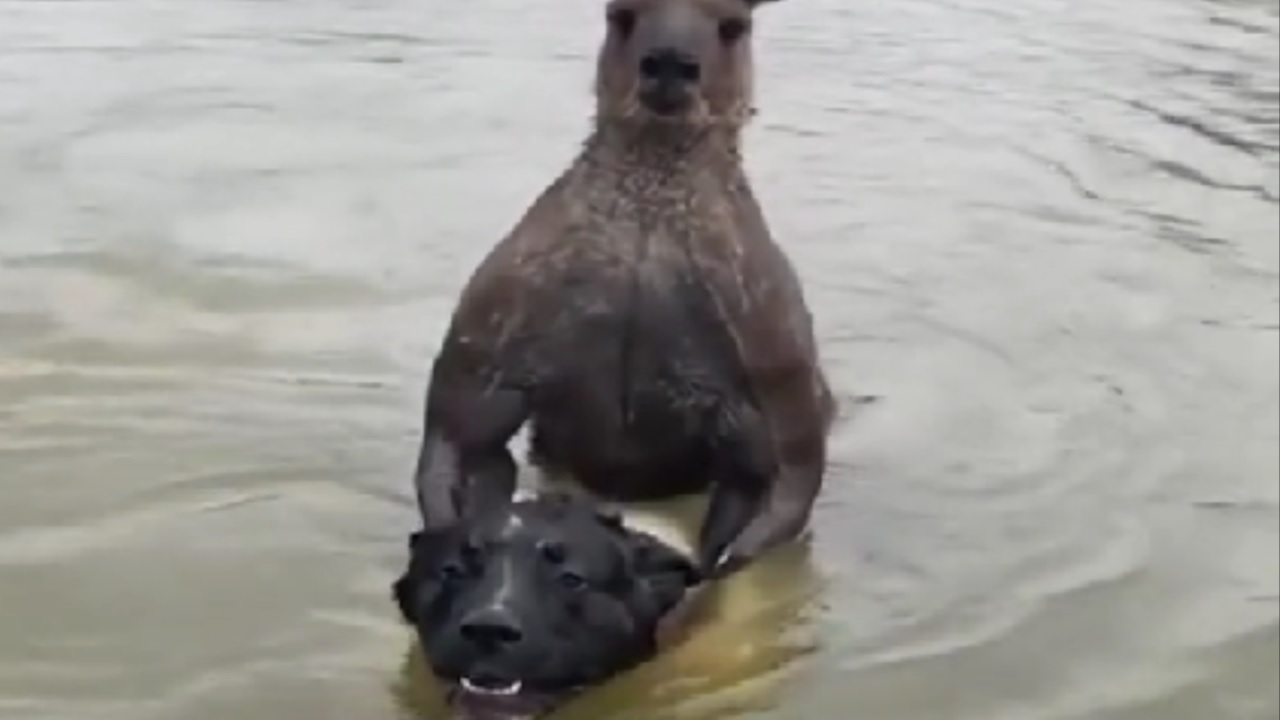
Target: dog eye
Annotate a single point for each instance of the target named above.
(732, 29)
(553, 552)
(451, 571)
(573, 581)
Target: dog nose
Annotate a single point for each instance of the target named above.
(669, 64)
(492, 628)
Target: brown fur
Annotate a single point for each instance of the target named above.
(641, 317)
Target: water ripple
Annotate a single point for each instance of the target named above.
(1040, 235)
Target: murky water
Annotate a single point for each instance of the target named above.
(1043, 233)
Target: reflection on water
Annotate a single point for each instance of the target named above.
(1042, 234)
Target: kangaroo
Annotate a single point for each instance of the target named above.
(640, 317)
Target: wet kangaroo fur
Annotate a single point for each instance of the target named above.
(640, 317)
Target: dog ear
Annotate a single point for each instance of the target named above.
(655, 558)
(406, 597)
(664, 573)
(610, 517)
(753, 4)
(405, 589)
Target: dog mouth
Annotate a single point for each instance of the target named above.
(489, 688)
(480, 698)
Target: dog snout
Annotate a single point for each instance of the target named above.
(492, 629)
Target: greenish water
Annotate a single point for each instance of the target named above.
(1043, 233)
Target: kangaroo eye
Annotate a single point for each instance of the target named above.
(732, 29)
(623, 20)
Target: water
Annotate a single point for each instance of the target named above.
(1042, 233)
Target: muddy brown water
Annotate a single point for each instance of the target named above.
(1043, 233)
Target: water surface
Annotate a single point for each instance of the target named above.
(1043, 233)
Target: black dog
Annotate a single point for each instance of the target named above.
(517, 611)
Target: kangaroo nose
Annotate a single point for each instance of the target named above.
(669, 64)
(492, 628)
